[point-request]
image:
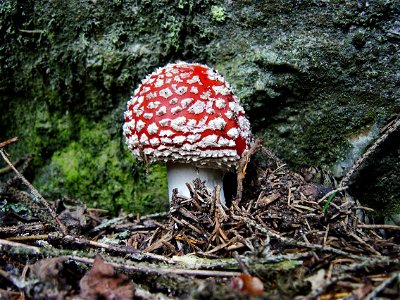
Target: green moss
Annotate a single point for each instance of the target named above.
(173, 27)
(68, 163)
(85, 159)
(40, 130)
(218, 13)
(186, 4)
(308, 73)
(98, 171)
(319, 131)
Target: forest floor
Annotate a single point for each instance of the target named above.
(285, 236)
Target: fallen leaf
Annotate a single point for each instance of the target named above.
(55, 278)
(101, 282)
(75, 220)
(48, 269)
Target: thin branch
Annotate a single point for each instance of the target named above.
(4, 244)
(382, 286)
(368, 264)
(292, 242)
(342, 188)
(8, 142)
(318, 291)
(241, 168)
(22, 229)
(81, 241)
(366, 245)
(8, 168)
(242, 265)
(389, 129)
(379, 226)
(35, 193)
(146, 268)
(128, 265)
(28, 237)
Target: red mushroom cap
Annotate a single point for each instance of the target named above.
(188, 113)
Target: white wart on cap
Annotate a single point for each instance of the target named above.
(186, 113)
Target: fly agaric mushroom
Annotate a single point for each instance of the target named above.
(186, 115)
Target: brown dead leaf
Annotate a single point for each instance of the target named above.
(76, 219)
(56, 278)
(101, 282)
(48, 269)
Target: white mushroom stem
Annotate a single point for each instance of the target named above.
(179, 174)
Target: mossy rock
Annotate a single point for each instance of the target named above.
(312, 76)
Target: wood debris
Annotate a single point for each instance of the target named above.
(202, 225)
(286, 236)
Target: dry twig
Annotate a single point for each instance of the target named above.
(392, 127)
(241, 169)
(279, 226)
(35, 193)
(8, 142)
(383, 285)
(379, 226)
